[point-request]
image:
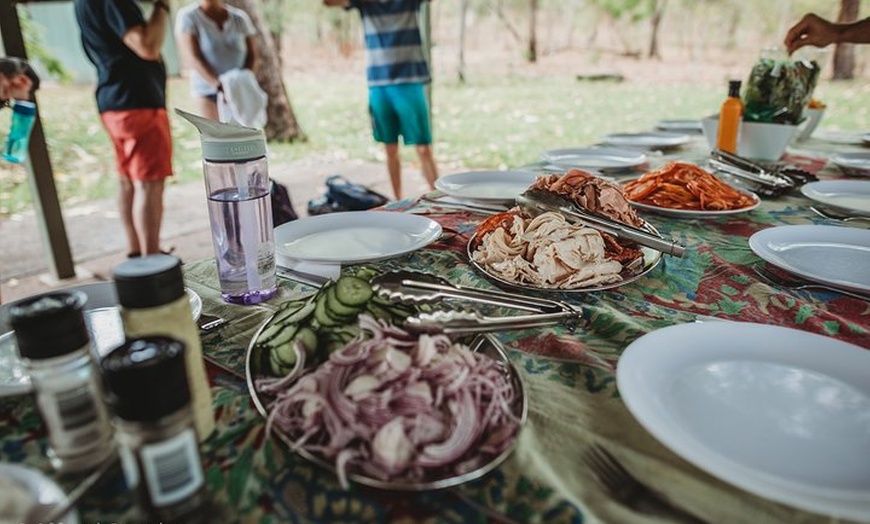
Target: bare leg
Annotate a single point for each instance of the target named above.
(207, 108)
(148, 214)
(427, 164)
(394, 167)
(125, 207)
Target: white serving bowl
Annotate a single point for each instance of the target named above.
(756, 140)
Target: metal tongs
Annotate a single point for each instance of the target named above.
(411, 287)
(537, 201)
(769, 182)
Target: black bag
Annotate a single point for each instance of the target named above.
(351, 196)
(282, 207)
(344, 195)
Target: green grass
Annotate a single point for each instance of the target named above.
(494, 122)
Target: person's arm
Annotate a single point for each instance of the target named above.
(146, 40)
(252, 59)
(816, 31)
(194, 58)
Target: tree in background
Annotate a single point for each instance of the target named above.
(844, 54)
(281, 125)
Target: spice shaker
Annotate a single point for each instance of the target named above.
(55, 348)
(153, 302)
(147, 390)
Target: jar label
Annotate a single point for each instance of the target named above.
(75, 418)
(172, 468)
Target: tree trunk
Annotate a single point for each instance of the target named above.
(281, 124)
(532, 53)
(463, 13)
(844, 54)
(655, 21)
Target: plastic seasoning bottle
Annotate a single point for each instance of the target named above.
(147, 390)
(729, 119)
(23, 117)
(54, 346)
(153, 302)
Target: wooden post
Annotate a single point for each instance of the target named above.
(39, 172)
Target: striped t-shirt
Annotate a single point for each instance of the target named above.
(394, 47)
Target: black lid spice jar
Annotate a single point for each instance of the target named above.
(55, 349)
(147, 390)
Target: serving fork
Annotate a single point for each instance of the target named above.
(842, 217)
(624, 487)
(798, 283)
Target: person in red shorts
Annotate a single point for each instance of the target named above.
(131, 99)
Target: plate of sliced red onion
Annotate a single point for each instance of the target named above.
(395, 410)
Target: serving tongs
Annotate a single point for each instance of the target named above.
(766, 180)
(412, 287)
(537, 201)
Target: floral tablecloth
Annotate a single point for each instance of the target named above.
(573, 399)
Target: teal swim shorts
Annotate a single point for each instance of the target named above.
(400, 109)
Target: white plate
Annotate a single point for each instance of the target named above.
(42, 489)
(853, 164)
(691, 213)
(486, 186)
(779, 412)
(846, 195)
(594, 158)
(104, 328)
(681, 126)
(649, 140)
(354, 236)
(833, 255)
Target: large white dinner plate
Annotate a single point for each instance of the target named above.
(41, 490)
(834, 255)
(681, 126)
(853, 164)
(354, 236)
(486, 186)
(104, 325)
(779, 412)
(595, 158)
(649, 140)
(847, 195)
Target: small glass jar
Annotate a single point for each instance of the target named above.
(55, 349)
(146, 385)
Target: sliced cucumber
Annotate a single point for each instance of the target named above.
(321, 315)
(296, 313)
(353, 291)
(337, 309)
(308, 338)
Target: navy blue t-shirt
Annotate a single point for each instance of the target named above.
(124, 80)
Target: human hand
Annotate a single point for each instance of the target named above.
(811, 30)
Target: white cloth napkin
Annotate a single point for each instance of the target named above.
(242, 101)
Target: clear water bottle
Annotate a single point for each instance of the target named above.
(55, 348)
(23, 116)
(240, 209)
